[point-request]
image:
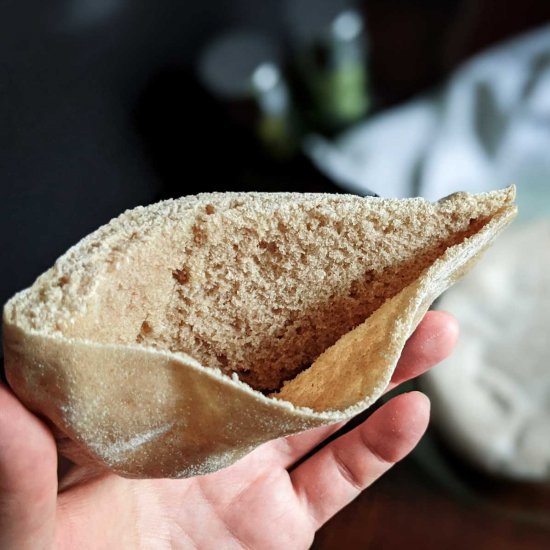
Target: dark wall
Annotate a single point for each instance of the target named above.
(72, 76)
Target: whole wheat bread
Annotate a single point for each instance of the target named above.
(178, 337)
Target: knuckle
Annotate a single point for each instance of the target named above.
(349, 474)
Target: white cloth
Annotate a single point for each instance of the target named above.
(489, 126)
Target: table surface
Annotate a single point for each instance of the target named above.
(431, 503)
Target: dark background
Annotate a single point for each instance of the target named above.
(100, 110)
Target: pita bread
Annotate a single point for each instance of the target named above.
(177, 338)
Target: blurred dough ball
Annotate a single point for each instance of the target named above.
(491, 398)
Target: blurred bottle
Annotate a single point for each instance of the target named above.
(243, 70)
(277, 124)
(329, 41)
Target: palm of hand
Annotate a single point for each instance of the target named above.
(262, 501)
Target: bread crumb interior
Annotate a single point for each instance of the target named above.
(257, 290)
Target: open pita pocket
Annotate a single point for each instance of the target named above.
(178, 337)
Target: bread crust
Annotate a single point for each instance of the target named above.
(147, 413)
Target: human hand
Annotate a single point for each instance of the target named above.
(262, 501)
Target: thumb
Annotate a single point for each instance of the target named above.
(28, 478)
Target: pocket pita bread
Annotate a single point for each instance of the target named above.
(178, 337)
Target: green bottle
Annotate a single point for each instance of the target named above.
(330, 45)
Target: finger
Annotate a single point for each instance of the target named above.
(334, 476)
(28, 477)
(432, 341)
